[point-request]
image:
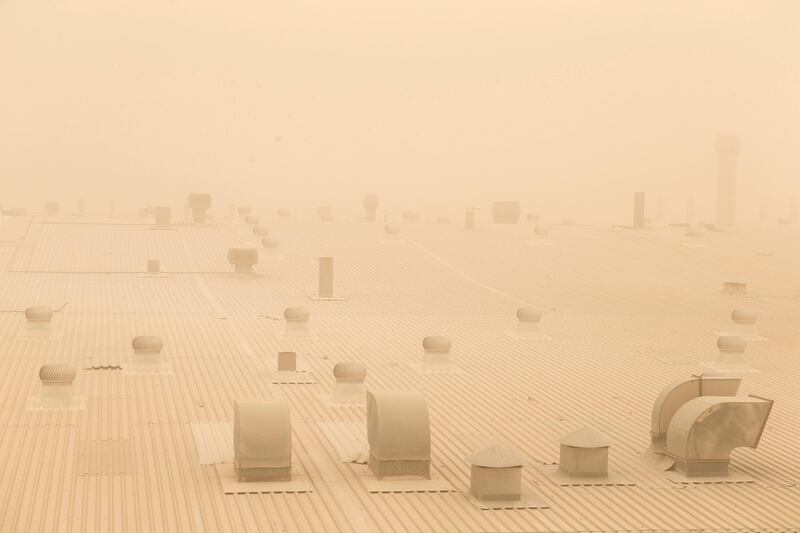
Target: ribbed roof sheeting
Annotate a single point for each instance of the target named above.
(627, 313)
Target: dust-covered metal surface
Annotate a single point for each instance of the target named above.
(140, 456)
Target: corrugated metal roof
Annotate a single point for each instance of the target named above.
(627, 313)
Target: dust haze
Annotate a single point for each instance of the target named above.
(568, 107)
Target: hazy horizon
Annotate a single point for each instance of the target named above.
(568, 107)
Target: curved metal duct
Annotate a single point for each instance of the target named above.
(705, 430)
(676, 394)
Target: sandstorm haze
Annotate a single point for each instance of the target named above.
(568, 107)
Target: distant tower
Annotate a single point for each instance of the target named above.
(469, 218)
(370, 204)
(727, 154)
(638, 210)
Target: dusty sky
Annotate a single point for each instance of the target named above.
(568, 106)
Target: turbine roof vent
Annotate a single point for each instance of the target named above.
(57, 374)
(437, 343)
(243, 256)
(38, 313)
(270, 242)
(541, 230)
(743, 316)
(731, 344)
(529, 314)
(352, 371)
(147, 343)
(296, 314)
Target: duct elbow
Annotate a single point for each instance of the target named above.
(704, 431)
(678, 393)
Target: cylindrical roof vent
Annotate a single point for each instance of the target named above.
(436, 356)
(39, 313)
(57, 374)
(297, 322)
(349, 388)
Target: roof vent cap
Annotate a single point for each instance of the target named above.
(496, 457)
(243, 259)
(270, 243)
(584, 453)
(496, 474)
